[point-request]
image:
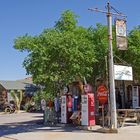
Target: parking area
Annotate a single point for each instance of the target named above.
(29, 126)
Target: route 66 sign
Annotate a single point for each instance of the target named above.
(120, 27)
(121, 39)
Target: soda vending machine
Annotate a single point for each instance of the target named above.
(87, 110)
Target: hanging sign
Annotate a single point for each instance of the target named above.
(120, 27)
(123, 72)
(121, 39)
(121, 43)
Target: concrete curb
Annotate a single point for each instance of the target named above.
(96, 128)
(1, 114)
(21, 111)
(7, 138)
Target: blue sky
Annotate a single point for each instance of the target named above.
(18, 17)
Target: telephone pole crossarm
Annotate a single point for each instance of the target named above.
(105, 12)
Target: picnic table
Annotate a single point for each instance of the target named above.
(128, 114)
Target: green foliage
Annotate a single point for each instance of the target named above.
(41, 95)
(98, 37)
(67, 22)
(59, 54)
(132, 55)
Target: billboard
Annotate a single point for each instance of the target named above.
(123, 72)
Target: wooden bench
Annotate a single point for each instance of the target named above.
(128, 114)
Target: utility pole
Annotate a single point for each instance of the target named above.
(111, 63)
(111, 71)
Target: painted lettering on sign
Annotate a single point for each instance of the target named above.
(102, 94)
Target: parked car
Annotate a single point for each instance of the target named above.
(9, 107)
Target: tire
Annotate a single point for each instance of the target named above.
(7, 110)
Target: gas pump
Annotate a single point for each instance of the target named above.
(136, 96)
(63, 109)
(66, 108)
(87, 110)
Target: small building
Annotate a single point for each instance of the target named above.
(25, 85)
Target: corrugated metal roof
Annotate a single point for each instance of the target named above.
(17, 85)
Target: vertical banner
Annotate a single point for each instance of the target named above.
(63, 109)
(121, 38)
(135, 96)
(84, 110)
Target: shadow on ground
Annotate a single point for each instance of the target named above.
(36, 125)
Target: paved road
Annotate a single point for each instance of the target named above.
(29, 126)
(19, 122)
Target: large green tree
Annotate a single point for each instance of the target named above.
(98, 37)
(58, 54)
(132, 55)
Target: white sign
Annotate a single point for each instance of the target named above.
(123, 72)
(87, 88)
(135, 96)
(63, 110)
(43, 104)
(65, 90)
(84, 110)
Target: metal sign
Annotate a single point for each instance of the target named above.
(121, 43)
(123, 72)
(65, 90)
(88, 88)
(120, 27)
(63, 110)
(43, 104)
(121, 39)
(102, 94)
(135, 96)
